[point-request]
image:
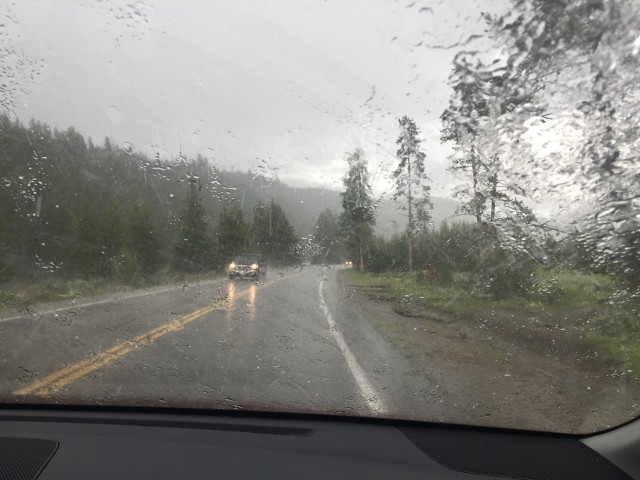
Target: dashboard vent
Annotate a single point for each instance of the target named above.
(24, 458)
(514, 456)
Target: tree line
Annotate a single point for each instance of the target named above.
(70, 207)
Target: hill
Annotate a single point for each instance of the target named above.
(303, 205)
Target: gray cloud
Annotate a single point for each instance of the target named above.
(291, 85)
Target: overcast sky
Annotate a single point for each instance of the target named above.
(286, 87)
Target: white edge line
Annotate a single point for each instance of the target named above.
(367, 390)
(106, 300)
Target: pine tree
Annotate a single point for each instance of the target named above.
(325, 239)
(273, 233)
(358, 217)
(232, 235)
(192, 252)
(410, 182)
(144, 240)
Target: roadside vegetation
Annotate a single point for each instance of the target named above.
(555, 292)
(598, 311)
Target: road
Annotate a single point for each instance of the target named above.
(297, 341)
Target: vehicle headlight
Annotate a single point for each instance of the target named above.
(254, 266)
(232, 265)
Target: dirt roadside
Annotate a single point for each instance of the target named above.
(509, 370)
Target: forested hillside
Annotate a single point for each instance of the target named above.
(72, 206)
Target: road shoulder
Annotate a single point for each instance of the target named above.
(488, 377)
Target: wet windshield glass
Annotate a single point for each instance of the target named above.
(446, 195)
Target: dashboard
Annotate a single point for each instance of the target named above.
(60, 444)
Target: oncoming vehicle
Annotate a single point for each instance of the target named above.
(247, 265)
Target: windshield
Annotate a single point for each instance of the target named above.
(446, 194)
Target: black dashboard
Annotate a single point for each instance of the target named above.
(63, 444)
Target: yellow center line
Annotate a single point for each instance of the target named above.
(54, 382)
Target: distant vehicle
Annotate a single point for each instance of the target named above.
(248, 265)
(348, 264)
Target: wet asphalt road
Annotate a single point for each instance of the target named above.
(294, 342)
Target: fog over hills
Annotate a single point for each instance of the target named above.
(303, 205)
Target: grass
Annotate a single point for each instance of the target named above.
(555, 291)
(399, 286)
(53, 289)
(616, 331)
